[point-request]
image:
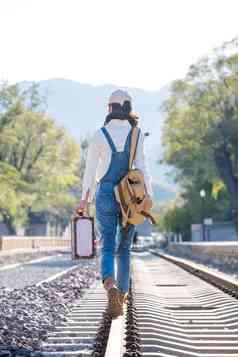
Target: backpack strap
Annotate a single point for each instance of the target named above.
(134, 141)
(109, 139)
(148, 215)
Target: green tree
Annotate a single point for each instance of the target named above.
(38, 161)
(201, 127)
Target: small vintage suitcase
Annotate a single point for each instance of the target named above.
(82, 237)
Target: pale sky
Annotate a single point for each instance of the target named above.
(141, 43)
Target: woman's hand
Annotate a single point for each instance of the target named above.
(81, 207)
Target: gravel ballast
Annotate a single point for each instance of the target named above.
(23, 256)
(26, 315)
(33, 273)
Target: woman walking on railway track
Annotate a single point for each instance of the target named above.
(107, 163)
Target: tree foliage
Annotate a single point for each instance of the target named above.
(38, 160)
(201, 128)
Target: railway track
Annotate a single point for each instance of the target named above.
(89, 331)
(179, 314)
(171, 312)
(76, 335)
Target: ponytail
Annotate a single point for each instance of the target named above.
(127, 108)
(122, 112)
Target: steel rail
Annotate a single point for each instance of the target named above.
(219, 280)
(184, 312)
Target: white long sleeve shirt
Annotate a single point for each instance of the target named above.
(99, 156)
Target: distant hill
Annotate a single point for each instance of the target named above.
(81, 108)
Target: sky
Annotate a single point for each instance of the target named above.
(139, 43)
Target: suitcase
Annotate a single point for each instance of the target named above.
(82, 237)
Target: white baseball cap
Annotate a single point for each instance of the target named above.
(119, 96)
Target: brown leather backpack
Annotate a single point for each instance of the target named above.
(131, 190)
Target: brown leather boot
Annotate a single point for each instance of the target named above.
(123, 297)
(114, 307)
(123, 301)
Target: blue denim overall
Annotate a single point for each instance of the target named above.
(114, 241)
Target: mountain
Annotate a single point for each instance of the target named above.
(81, 108)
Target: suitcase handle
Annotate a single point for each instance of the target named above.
(85, 212)
(79, 213)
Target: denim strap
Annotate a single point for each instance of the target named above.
(109, 139)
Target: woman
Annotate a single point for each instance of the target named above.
(107, 162)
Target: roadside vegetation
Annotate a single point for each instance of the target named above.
(39, 161)
(200, 139)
